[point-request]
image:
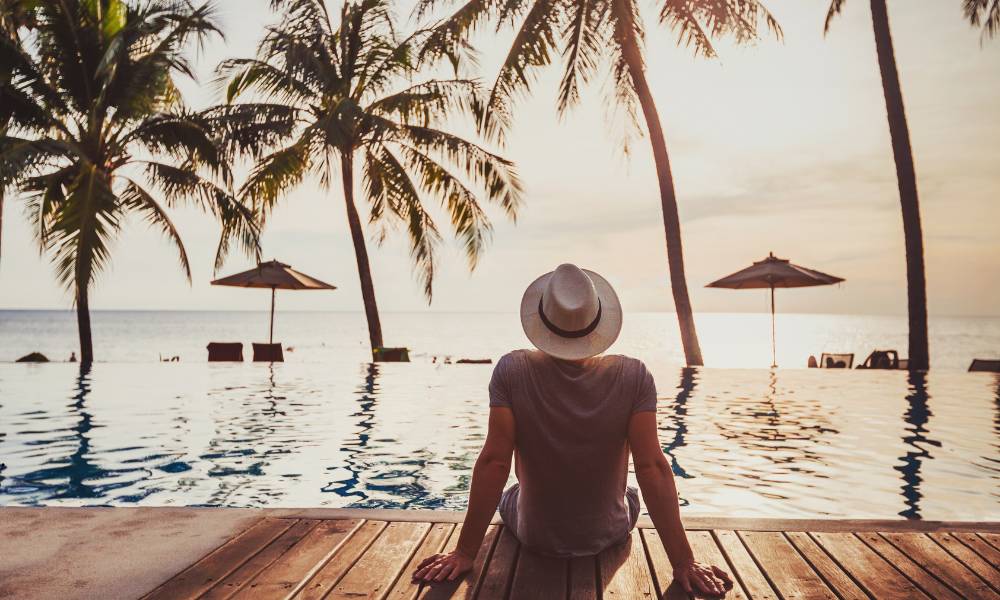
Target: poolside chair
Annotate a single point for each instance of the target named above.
(985, 365)
(267, 353)
(386, 354)
(225, 352)
(882, 359)
(836, 361)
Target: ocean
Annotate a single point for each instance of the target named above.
(727, 340)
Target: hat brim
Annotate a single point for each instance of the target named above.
(553, 344)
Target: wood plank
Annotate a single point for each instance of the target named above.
(199, 577)
(992, 539)
(787, 571)
(294, 566)
(371, 577)
(970, 559)
(500, 567)
(327, 576)
(242, 576)
(661, 570)
(914, 572)
(867, 568)
(625, 571)
(467, 586)
(538, 577)
(583, 578)
(935, 559)
(707, 551)
(832, 574)
(745, 570)
(980, 546)
(407, 589)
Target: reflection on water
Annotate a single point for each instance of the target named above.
(917, 415)
(750, 443)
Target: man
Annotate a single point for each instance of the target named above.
(571, 415)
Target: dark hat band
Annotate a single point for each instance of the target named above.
(579, 333)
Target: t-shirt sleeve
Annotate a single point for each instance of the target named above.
(645, 397)
(500, 382)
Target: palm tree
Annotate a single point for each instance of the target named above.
(329, 94)
(906, 180)
(985, 13)
(592, 35)
(99, 127)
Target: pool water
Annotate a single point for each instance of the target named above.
(759, 443)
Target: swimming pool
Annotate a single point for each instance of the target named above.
(788, 443)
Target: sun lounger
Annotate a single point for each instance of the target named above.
(985, 365)
(267, 353)
(385, 354)
(836, 361)
(225, 352)
(883, 359)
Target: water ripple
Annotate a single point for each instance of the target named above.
(741, 442)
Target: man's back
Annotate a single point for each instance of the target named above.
(571, 450)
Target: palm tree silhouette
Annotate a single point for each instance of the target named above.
(596, 35)
(98, 118)
(906, 179)
(331, 98)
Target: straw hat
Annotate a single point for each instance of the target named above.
(571, 313)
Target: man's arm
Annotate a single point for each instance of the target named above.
(488, 478)
(656, 480)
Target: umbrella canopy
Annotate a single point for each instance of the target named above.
(276, 276)
(771, 273)
(774, 272)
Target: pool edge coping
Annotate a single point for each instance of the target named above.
(696, 522)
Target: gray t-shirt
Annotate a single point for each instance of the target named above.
(571, 447)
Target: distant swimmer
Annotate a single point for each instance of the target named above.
(72, 357)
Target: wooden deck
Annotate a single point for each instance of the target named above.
(353, 557)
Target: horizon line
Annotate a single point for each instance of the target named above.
(491, 312)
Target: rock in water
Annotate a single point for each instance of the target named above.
(34, 357)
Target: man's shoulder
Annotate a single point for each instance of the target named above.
(517, 358)
(626, 361)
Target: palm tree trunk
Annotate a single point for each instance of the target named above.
(668, 196)
(361, 253)
(83, 326)
(916, 284)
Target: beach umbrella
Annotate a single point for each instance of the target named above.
(774, 272)
(276, 276)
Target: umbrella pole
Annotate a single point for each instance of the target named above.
(270, 339)
(774, 360)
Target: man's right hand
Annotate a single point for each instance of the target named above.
(695, 577)
(442, 566)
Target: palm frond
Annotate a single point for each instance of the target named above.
(388, 185)
(427, 102)
(985, 14)
(276, 174)
(532, 48)
(836, 6)
(135, 198)
(586, 41)
(494, 173)
(469, 221)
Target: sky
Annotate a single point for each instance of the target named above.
(778, 146)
